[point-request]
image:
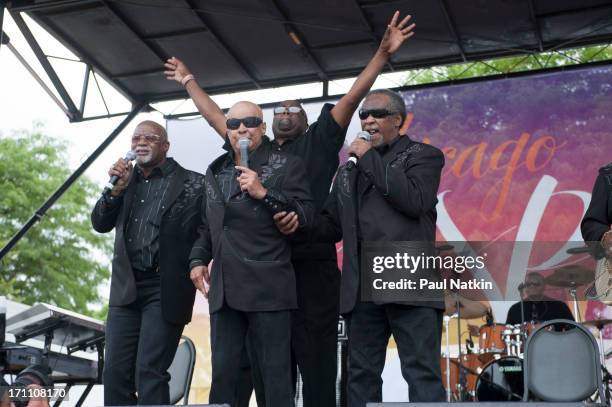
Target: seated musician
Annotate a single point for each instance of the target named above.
(537, 307)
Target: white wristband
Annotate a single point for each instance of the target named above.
(187, 79)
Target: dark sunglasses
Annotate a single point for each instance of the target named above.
(533, 284)
(375, 113)
(250, 122)
(290, 109)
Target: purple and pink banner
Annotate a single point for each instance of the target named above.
(521, 154)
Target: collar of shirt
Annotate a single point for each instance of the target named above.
(167, 167)
(285, 143)
(384, 149)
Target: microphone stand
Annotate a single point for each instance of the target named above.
(520, 289)
(449, 391)
(462, 378)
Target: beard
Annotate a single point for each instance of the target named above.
(144, 160)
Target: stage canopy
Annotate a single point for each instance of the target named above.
(237, 45)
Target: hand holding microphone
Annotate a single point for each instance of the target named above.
(119, 174)
(248, 179)
(358, 148)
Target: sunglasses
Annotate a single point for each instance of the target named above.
(290, 109)
(533, 284)
(249, 122)
(375, 113)
(149, 138)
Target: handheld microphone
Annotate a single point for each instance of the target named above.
(129, 156)
(352, 161)
(244, 144)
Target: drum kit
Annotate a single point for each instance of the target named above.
(493, 370)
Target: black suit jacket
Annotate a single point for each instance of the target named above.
(402, 186)
(177, 232)
(252, 268)
(598, 216)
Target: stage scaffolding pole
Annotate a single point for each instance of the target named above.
(40, 212)
(2, 7)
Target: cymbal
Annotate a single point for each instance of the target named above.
(468, 308)
(598, 323)
(578, 250)
(571, 276)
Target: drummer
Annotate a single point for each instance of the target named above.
(536, 306)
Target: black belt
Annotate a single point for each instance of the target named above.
(150, 272)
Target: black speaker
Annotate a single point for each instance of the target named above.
(485, 404)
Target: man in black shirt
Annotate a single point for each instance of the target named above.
(536, 306)
(154, 210)
(597, 220)
(390, 196)
(252, 283)
(314, 333)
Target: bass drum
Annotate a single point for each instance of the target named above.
(501, 380)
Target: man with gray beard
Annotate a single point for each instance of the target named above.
(154, 208)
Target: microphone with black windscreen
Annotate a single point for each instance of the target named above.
(129, 156)
(352, 161)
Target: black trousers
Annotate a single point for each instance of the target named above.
(417, 332)
(140, 346)
(314, 330)
(314, 335)
(270, 336)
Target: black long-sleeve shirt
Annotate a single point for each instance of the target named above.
(598, 216)
(142, 230)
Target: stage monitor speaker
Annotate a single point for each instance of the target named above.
(485, 404)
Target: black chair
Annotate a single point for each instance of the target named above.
(562, 365)
(181, 371)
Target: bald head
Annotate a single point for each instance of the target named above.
(243, 113)
(245, 109)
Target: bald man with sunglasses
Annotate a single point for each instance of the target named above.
(252, 282)
(315, 322)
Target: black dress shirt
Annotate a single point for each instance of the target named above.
(318, 147)
(142, 227)
(598, 216)
(539, 311)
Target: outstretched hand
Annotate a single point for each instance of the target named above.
(176, 70)
(396, 33)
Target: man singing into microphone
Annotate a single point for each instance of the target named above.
(315, 322)
(252, 281)
(389, 196)
(154, 209)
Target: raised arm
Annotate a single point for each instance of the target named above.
(394, 37)
(176, 70)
